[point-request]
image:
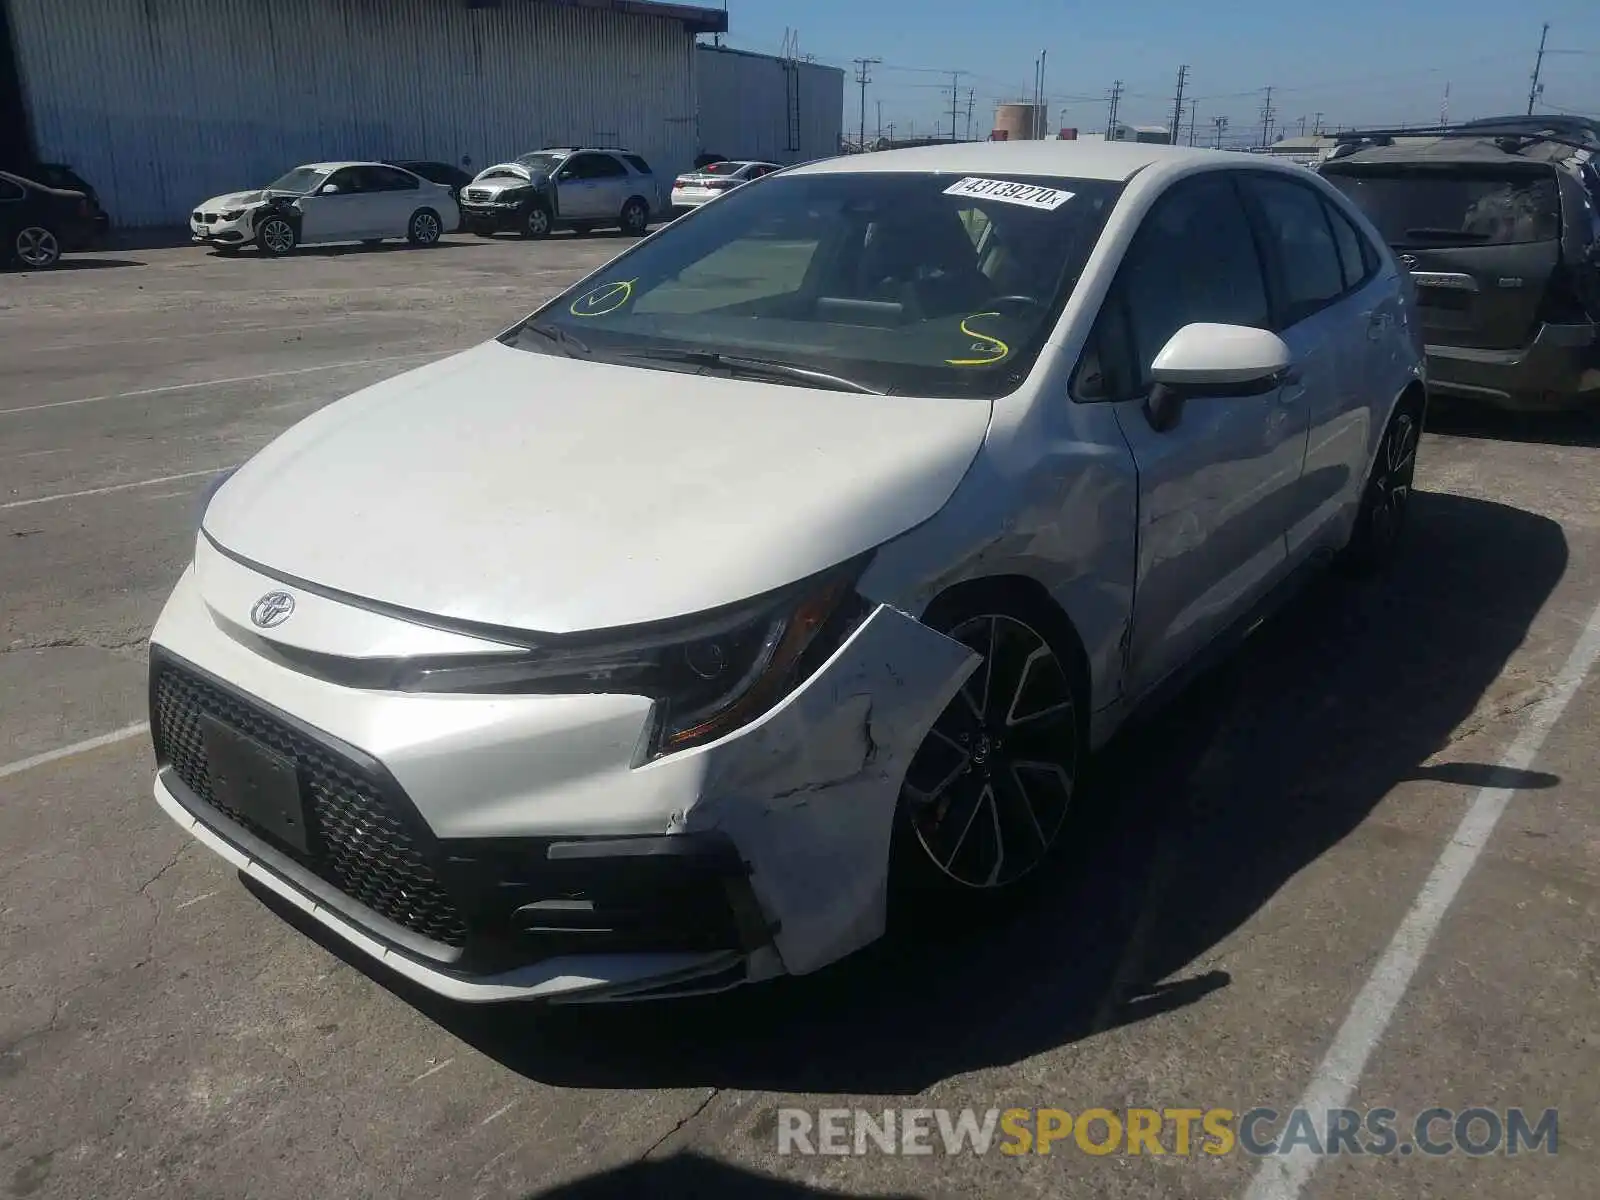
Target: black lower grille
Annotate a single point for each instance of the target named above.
(360, 844)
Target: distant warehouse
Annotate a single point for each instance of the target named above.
(773, 109)
(161, 102)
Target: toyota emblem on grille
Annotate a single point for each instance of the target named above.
(1408, 261)
(272, 610)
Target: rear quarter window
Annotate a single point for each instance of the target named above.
(638, 164)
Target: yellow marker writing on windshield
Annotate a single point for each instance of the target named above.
(606, 298)
(991, 347)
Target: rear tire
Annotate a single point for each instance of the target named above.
(36, 248)
(276, 236)
(1386, 499)
(425, 228)
(635, 217)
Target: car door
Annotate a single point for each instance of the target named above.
(338, 210)
(613, 184)
(397, 195)
(1214, 487)
(1329, 321)
(579, 189)
(13, 200)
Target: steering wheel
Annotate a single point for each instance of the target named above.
(1017, 300)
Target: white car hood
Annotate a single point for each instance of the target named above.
(550, 494)
(233, 200)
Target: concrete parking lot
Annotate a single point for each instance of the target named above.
(1268, 909)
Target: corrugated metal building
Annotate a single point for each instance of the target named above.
(778, 110)
(160, 103)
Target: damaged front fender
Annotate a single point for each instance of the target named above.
(809, 793)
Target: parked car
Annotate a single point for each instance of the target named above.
(705, 160)
(328, 202)
(691, 190)
(563, 188)
(452, 177)
(1499, 224)
(654, 645)
(64, 178)
(38, 223)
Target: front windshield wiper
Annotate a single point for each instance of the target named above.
(571, 346)
(756, 368)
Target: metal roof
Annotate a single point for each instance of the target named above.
(695, 18)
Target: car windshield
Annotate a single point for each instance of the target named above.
(1464, 205)
(912, 283)
(300, 180)
(542, 161)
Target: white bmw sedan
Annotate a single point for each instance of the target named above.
(792, 562)
(328, 202)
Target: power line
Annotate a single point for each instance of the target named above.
(863, 77)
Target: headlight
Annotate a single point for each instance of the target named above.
(707, 679)
(231, 214)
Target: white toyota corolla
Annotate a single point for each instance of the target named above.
(800, 554)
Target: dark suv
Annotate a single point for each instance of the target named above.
(1499, 223)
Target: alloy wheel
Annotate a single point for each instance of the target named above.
(425, 228)
(37, 247)
(988, 791)
(538, 222)
(278, 236)
(1389, 490)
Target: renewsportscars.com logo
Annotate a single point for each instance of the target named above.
(1180, 1132)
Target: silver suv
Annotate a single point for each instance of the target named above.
(563, 187)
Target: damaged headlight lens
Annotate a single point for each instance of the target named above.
(707, 679)
(231, 214)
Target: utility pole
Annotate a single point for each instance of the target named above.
(880, 119)
(1177, 104)
(1220, 123)
(972, 95)
(1194, 109)
(1040, 115)
(1266, 119)
(1302, 127)
(1538, 62)
(1316, 125)
(863, 77)
(955, 101)
(1111, 117)
(1444, 105)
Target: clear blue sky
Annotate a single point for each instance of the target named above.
(1355, 61)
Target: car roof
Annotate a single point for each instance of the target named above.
(1110, 161)
(338, 166)
(1451, 150)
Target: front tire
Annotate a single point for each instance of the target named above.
(1386, 499)
(276, 236)
(991, 790)
(536, 223)
(425, 228)
(36, 247)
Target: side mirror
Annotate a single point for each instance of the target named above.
(328, 189)
(1206, 359)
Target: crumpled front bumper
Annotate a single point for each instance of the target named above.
(575, 873)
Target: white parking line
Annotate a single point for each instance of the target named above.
(115, 487)
(1282, 1177)
(50, 756)
(204, 383)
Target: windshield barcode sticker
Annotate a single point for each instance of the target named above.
(1026, 194)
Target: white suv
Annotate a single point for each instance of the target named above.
(563, 188)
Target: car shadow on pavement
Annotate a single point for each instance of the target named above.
(1580, 428)
(1202, 813)
(688, 1177)
(72, 262)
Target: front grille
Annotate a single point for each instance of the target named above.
(360, 844)
(477, 194)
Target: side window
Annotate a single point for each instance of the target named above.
(603, 166)
(10, 191)
(1355, 255)
(638, 163)
(576, 167)
(391, 180)
(1300, 238)
(347, 180)
(1193, 259)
